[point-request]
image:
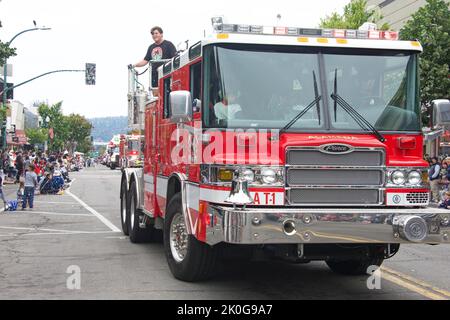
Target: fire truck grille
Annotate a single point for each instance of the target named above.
(334, 197)
(316, 178)
(333, 177)
(358, 158)
(418, 198)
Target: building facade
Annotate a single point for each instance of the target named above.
(31, 119)
(396, 12)
(15, 124)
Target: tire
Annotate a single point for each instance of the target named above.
(354, 267)
(137, 234)
(113, 167)
(199, 261)
(124, 209)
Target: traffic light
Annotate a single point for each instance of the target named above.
(10, 92)
(90, 74)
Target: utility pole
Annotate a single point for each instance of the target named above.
(5, 75)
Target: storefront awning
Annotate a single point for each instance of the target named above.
(433, 135)
(17, 139)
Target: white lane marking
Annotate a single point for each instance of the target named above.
(105, 221)
(54, 202)
(67, 233)
(49, 230)
(53, 234)
(55, 214)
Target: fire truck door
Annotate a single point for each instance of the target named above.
(151, 161)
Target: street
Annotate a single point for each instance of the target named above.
(80, 228)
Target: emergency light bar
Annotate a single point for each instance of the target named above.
(220, 27)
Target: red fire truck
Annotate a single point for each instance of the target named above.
(282, 143)
(131, 155)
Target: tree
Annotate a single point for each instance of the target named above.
(6, 52)
(78, 133)
(56, 122)
(355, 15)
(431, 26)
(70, 132)
(85, 146)
(37, 136)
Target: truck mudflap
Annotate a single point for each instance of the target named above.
(325, 226)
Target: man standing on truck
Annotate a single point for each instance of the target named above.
(160, 50)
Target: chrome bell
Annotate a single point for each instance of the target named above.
(239, 195)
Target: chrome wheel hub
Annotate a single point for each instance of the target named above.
(178, 238)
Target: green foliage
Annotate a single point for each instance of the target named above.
(355, 15)
(431, 26)
(79, 132)
(70, 132)
(6, 52)
(37, 136)
(85, 146)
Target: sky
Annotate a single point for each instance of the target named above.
(114, 34)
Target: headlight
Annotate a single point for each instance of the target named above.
(255, 176)
(247, 175)
(398, 178)
(268, 176)
(414, 178)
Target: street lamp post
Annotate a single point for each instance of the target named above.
(5, 75)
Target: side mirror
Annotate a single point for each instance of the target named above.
(180, 106)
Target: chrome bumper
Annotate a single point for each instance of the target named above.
(315, 226)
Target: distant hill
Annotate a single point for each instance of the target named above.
(105, 128)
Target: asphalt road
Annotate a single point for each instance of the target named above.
(79, 231)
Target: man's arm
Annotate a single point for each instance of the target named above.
(142, 63)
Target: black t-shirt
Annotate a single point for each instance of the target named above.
(165, 50)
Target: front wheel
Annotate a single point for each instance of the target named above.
(189, 259)
(354, 267)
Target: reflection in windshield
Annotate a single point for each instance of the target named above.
(246, 89)
(382, 88)
(267, 86)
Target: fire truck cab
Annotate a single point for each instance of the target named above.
(131, 151)
(287, 143)
(113, 150)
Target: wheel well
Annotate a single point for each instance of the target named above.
(173, 187)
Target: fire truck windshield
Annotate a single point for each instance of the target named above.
(261, 86)
(134, 145)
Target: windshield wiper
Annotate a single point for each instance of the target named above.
(301, 114)
(316, 92)
(359, 119)
(316, 102)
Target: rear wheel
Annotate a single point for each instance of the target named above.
(137, 234)
(124, 210)
(189, 259)
(354, 267)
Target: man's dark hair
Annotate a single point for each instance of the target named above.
(435, 158)
(159, 29)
